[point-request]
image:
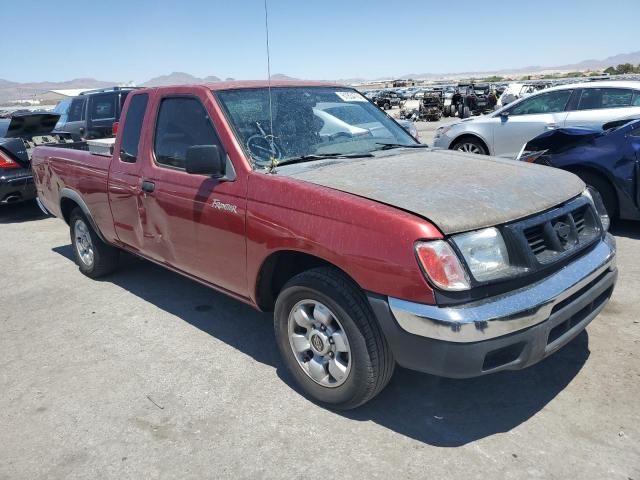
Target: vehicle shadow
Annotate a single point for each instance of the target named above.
(437, 411)
(20, 212)
(626, 228)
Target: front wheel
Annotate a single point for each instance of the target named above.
(329, 340)
(470, 145)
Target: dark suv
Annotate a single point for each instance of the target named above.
(92, 114)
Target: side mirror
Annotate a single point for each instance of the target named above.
(205, 160)
(504, 115)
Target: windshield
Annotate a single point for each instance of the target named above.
(307, 121)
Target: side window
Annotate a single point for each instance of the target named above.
(182, 122)
(636, 99)
(597, 98)
(549, 102)
(635, 132)
(76, 110)
(103, 107)
(133, 127)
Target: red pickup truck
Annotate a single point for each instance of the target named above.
(371, 249)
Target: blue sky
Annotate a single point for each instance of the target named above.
(134, 40)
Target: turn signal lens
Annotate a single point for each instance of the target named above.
(6, 162)
(442, 266)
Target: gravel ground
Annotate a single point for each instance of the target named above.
(145, 374)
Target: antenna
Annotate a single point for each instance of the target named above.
(266, 27)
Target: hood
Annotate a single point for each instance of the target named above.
(28, 124)
(562, 139)
(456, 191)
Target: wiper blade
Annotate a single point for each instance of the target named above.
(321, 156)
(388, 146)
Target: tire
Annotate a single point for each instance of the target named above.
(466, 112)
(604, 188)
(93, 257)
(387, 106)
(326, 297)
(470, 145)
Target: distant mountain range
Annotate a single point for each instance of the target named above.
(11, 91)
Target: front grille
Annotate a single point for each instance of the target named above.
(535, 239)
(559, 235)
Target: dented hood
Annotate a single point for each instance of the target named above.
(456, 191)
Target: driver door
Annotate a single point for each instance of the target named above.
(527, 119)
(192, 222)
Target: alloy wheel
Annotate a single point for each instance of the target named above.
(469, 148)
(84, 245)
(319, 343)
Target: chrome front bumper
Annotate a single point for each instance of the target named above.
(510, 312)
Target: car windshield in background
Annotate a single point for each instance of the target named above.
(307, 122)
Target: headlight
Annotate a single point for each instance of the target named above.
(596, 200)
(442, 130)
(486, 254)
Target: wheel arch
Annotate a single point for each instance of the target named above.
(576, 169)
(474, 136)
(69, 200)
(279, 267)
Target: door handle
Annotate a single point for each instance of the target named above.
(147, 186)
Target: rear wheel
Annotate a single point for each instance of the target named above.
(470, 145)
(94, 257)
(329, 340)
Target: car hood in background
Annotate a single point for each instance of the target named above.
(562, 138)
(28, 124)
(456, 191)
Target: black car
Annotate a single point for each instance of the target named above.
(92, 114)
(607, 160)
(19, 134)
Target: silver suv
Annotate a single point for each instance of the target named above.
(505, 131)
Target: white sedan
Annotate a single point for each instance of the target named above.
(504, 132)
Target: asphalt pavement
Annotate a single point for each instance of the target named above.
(147, 375)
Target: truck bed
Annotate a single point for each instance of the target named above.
(56, 168)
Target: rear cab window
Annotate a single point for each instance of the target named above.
(133, 127)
